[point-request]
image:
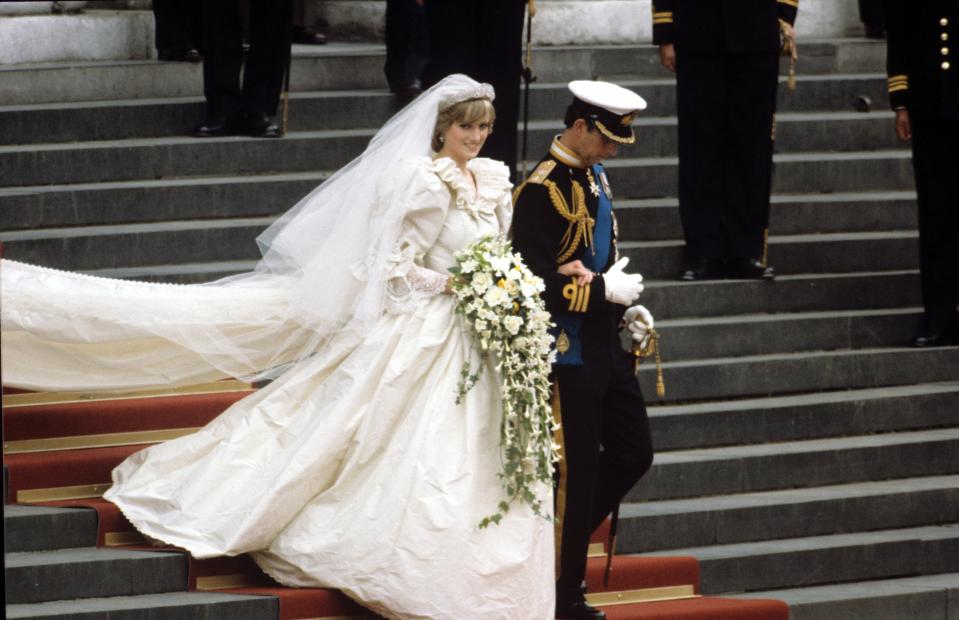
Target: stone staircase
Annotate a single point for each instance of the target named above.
(803, 454)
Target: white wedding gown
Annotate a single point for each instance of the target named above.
(355, 469)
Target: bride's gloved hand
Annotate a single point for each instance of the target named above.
(622, 288)
(638, 321)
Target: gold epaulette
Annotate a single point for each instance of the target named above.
(539, 175)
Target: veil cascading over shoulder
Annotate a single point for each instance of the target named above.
(322, 275)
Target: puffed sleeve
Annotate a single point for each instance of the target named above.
(425, 202)
(495, 188)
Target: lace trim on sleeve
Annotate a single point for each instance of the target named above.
(410, 282)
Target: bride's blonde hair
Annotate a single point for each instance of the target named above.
(469, 111)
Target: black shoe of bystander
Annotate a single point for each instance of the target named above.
(748, 269)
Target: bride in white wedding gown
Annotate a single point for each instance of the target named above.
(354, 468)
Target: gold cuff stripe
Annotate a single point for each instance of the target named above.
(894, 89)
(792, 3)
(578, 296)
(612, 136)
(662, 20)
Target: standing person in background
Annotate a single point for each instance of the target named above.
(565, 228)
(923, 67)
(177, 24)
(407, 47)
(230, 108)
(483, 39)
(725, 54)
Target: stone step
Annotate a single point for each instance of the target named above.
(41, 576)
(40, 528)
(790, 214)
(167, 606)
(810, 171)
(805, 416)
(232, 239)
(785, 373)
(799, 464)
(794, 254)
(345, 65)
(928, 597)
(119, 202)
(836, 558)
(671, 299)
(761, 334)
(145, 117)
(793, 513)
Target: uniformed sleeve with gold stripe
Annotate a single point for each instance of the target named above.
(662, 22)
(897, 82)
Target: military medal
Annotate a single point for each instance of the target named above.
(606, 189)
(562, 342)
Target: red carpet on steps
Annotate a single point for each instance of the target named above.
(90, 466)
(114, 416)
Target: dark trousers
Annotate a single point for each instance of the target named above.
(935, 159)
(601, 407)
(872, 12)
(725, 104)
(177, 25)
(263, 70)
(483, 39)
(407, 43)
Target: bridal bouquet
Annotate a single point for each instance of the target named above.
(499, 299)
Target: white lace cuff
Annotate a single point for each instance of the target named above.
(402, 293)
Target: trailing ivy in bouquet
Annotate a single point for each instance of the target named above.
(499, 299)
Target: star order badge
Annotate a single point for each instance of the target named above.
(593, 188)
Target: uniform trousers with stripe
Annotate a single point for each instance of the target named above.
(607, 449)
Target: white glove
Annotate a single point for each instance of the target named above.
(638, 321)
(622, 288)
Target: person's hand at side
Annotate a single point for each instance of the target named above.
(667, 56)
(621, 287)
(903, 125)
(638, 321)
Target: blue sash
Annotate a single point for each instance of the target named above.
(603, 230)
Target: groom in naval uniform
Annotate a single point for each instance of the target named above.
(564, 227)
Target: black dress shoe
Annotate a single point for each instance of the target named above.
(703, 269)
(308, 35)
(187, 55)
(936, 338)
(217, 126)
(748, 269)
(262, 126)
(579, 610)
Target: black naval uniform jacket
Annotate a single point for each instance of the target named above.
(595, 392)
(737, 26)
(923, 66)
(727, 65)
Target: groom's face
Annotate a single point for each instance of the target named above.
(594, 147)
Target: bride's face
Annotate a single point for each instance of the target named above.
(463, 140)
